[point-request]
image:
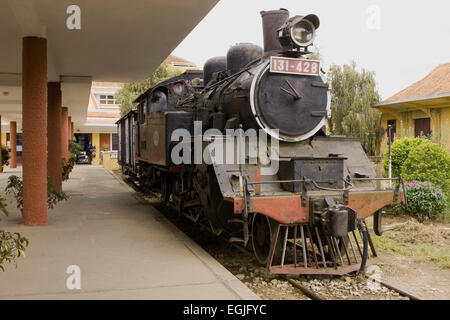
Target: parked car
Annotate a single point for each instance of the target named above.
(83, 158)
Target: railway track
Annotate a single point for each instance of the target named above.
(305, 290)
(316, 296)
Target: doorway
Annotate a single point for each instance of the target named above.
(83, 139)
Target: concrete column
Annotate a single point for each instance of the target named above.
(54, 165)
(13, 144)
(1, 163)
(34, 114)
(65, 133)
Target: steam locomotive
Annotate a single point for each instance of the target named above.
(241, 147)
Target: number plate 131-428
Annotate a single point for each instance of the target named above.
(294, 66)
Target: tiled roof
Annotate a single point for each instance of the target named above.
(107, 84)
(174, 59)
(436, 82)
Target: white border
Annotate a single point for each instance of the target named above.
(259, 72)
(297, 73)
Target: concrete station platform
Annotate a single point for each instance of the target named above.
(125, 249)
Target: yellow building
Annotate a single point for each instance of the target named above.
(180, 64)
(421, 109)
(100, 129)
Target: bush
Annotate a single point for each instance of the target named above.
(430, 162)
(425, 200)
(67, 167)
(74, 147)
(12, 245)
(400, 150)
(15, 186)
(5, 156)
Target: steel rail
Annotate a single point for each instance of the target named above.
(306, 291)
(396, 289)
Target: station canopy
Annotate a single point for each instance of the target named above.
(117, 41)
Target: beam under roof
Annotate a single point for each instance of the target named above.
(118, 41)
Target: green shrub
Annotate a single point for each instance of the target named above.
(428, 162)
(5, 156)
(400, 150)
(74, 147)
(67, 167)
(12, 245)
(15, 187)
(425, 200)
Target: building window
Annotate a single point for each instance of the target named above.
(393, 124)
(18, 143)
(141, 115)
(422, 127)
(115, 141)
(107, 100)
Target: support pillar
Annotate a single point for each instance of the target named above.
(1, 161)
(69, 128)
(13, 144)
(64, 133)
(34, 114)
(54, 165)
(71, 131)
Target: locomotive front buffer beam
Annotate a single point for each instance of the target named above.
(317, 233)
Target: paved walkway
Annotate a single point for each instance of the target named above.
(125, 249)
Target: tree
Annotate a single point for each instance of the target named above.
(12, 245)
(352, 95)
(130, 91)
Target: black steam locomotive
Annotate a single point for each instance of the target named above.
(241, 147)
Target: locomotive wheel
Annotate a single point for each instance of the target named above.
(165, 188)
(263, 233)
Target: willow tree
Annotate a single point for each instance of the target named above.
(353, 93)
(130, 91)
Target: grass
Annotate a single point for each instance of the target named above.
(444, 217)
(424, 252)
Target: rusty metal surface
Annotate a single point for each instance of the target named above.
(284, 209)
(308, 292)
(288, 209)
(272, 21)
(366, 203)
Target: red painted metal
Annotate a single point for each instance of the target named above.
(288, 209)
(366, 203)
(345, 250)
(369, 238)
(284, 209)
(257, 179)
(312, 247)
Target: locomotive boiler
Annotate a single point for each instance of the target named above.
(241, 147)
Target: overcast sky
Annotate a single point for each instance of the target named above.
(413, 35)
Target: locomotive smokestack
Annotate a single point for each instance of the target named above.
(272, 20)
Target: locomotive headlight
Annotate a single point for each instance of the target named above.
(298, 31)
(303, 33)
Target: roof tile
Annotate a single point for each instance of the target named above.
(436, 82)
